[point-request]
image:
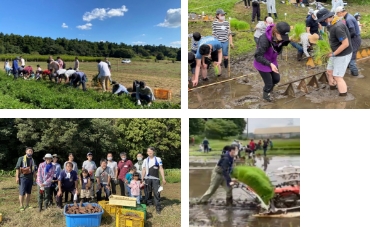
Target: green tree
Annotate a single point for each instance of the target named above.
(240, 122)
(178, 56)
(196, 126)
(219, 128)
(160, 56)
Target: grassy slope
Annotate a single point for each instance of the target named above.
(243, 41)
(170, 216)
(280, 147)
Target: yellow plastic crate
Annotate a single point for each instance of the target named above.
(122, 201)
(108, 209)
(124, 220)
(162, 94)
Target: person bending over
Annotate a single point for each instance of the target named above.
(143, 92)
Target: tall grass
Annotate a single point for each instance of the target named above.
(297, 31)
(172, 175)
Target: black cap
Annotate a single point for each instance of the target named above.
(283, 29)
(323, 14)
(196, 36)
(191, 57)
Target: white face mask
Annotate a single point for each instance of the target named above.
(123, 159)
(139, 159)
(221, 17)
(109, 158)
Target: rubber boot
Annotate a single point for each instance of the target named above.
(269, 14)
(40, 207)
(276, 17)
(299, 56)
(229, 201)
(343, 94)
(46, 206)
(266, 96)
(226, 63)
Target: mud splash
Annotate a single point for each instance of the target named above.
(246, 92)
(241, 214)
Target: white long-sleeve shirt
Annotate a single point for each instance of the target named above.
(103, 69)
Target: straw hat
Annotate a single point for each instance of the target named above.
(313, 38)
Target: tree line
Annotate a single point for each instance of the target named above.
(97, 135)
(216, 128)
(17, 44)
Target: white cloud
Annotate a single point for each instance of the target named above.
(143, 35)
(173, 19)
(85, 26)
(64, 25)
(138, 43)
(175, 44)
(102, 13)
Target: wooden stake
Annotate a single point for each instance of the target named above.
(219, 82)
(229, 59)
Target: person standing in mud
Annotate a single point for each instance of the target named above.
(205, 145)
(269, 46)
(271, 8)
(221, 30)
(265, 145)
(221, 176)
(340, 44)
(252, 146)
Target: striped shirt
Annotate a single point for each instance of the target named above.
(221, 30)
(194, 44)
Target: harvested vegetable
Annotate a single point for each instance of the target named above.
(256, 179)
(80, 209)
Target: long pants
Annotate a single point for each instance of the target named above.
(45, 197)
(53, 193)
(217, 179)
(264, 151)
(60, 198)
(113, 186)
(270, 79)
(76, 85)
(151, 189)
(245, 2)
(297, 46)
(356, 43)
(106, 190)
(15, 75)
(256, 12)
(104, 81)
(122, 185)
(139, 96)
(206, 149)
(128, 189)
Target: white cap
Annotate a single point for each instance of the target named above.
(339, 9)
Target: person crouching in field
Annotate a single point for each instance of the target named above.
(119, 89)
(68, 74)
(67, 182)
(38, 72)
(77, 79)
(143, 92)
(85, 185)
(44, 180)
(27, 72)
(53, 67)
(60, 74)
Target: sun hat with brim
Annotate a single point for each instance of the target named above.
(313, 38)
(55, 156)
(48, 156)
(323, 14)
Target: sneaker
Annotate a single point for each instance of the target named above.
(28, 207)
(138, 102)
(21, 208)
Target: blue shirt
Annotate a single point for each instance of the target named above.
(351, 22)
(216, 45)
(121, 88)
(129, 177)
(15, 66)
(80, 77)
(68, 183)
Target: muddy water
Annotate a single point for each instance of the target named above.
(199, 175)
(246, 92)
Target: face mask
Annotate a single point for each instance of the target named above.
(110, 159)
(123, 159)
(139, 159)
(29, 155)
(221, 17)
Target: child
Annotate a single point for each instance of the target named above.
(135, 186)
(358, 17)
(85, 185)
(129, 178)
(195, 37)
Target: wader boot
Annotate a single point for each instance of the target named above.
(276, 17)
(226, 63)
(229, 201)
(299, 56)
(266, 96)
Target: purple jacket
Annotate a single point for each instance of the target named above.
(267, 51)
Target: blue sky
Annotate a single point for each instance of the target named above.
(128, 21)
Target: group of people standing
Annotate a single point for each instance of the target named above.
(139, 180)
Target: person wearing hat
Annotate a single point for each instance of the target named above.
(340, 44)
(25, 172)
(312, 26)
(335, 4)
(271, 8)
(209, 50)
(118, 89)
(15, 67)
(90, 166)
(354, 31)
(54, 183)
(221, 30)
(124, 166)
(306, 42)
(358, 18)
(269, 46)
(195, 37)
(67, 182)
(44, 180)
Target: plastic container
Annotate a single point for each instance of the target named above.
(139, 207)
(83, 220)
(162, 94)
(108, 209)
(122, 201)
(124, 220)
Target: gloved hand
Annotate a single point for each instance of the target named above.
(321, 32)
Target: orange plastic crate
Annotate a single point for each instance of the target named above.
(162, 94)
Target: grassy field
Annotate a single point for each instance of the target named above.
(243, 40)
(280, 147)
(9, 207)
